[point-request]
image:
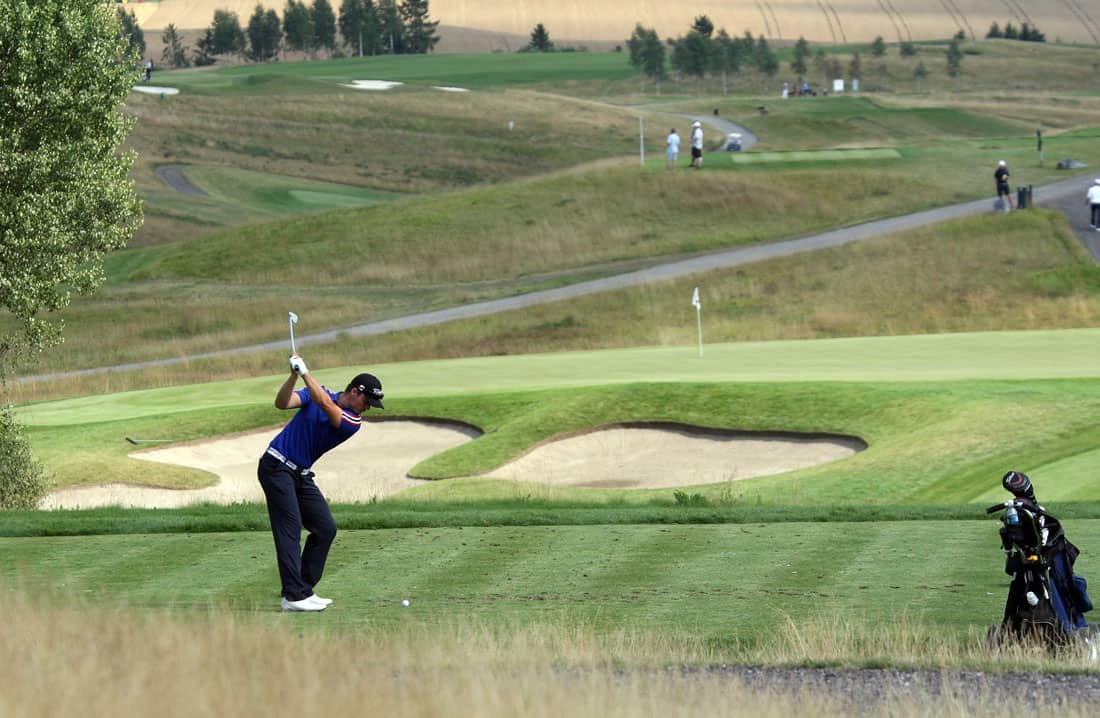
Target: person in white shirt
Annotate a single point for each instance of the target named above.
(697, 145)
(1094, 205)
(672, 149)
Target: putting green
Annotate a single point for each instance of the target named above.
(938, 357)
(870, 153)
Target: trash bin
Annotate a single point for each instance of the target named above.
(1023, 197)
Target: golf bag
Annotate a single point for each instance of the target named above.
(1046, 600)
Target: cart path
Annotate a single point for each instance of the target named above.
(173, 176)
(1069, 192)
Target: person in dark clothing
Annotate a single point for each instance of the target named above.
(1000, 176)
(324, 420)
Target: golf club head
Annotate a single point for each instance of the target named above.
(131, 440)
(293, 317)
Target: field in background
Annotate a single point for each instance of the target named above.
(576, 21)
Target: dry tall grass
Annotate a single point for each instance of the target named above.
(70, 660)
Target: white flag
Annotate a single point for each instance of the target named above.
(695, 299)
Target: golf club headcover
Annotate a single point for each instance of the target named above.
(298, 364)
(1017, 483)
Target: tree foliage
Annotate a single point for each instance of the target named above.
(391, 30)
(540, 40)
(129, 29)
(265, 35)
(358, 23)
(324, 25)
(65, 196)
(703, 26)
(878, 47)
(954, 59)
(647, 53)
(420, 37)
(21, 477)
(226, 35)
(298, 26)
(174, 53)
(801, 53)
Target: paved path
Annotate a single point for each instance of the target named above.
(173, 176)
(1076, 211)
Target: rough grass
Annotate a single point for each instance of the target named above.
(175, 664)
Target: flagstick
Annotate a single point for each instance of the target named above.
(699, 322)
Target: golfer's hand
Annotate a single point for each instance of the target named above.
(298, 364)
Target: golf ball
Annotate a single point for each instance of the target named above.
(405, 602)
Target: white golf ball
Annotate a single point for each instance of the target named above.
(405, 602)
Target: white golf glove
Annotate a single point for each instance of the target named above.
(298, 364)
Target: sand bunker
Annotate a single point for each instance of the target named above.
(373, 84)
(373, 463)
(660, 456)
(376, 461)
(154, 90)
(444, 88)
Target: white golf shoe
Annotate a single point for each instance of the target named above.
(306, 604)
(319, 599)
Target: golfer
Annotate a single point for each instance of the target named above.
(697, 145)
(1093, 199)
(1000, 177)
(672, 149)
(324, 420)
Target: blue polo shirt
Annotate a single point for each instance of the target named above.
(309, 434)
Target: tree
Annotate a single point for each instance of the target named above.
(855, 67)
(298, 26)
(265, 35)
(954, 59)
(994, 32)
(356, 21)
(226, 35)
(324, 26)
(1011, 32)
(66, 199)
(907, 49)
(878, 47)
(726, 57)
(647, 53)
(391, 30)
(174, 53)
(420, 37)
(691, 54)
(960, 35)
(765, 58)
(801, 52)
(540, 40)
(129, 29)
(204, 49)
(703, 26)
(920, 72)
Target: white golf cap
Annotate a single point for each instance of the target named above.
(1001, 163)
(696, 124)
(1097, 180)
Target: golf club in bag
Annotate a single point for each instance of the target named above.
(1046, 601)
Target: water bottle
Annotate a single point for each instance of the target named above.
(1012, 518)
(1032, 599)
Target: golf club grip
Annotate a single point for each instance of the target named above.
(994, 508)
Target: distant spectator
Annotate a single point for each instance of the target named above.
(1000, 176)
(1094, 205)
(148, 70)
(697, 145)
(672, 149)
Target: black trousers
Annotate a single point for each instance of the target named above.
(294, 502)
(1095, 221)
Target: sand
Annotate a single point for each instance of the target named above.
(376, 461)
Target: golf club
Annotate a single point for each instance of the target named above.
(293, 321)
(148, 441)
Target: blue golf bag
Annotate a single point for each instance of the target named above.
(1046, 600)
